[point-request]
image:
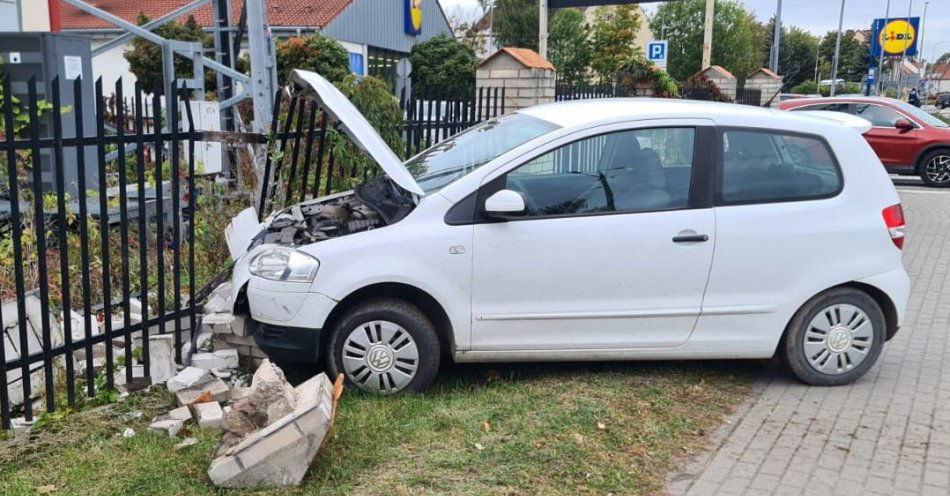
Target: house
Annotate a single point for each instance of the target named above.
(374, 32)
(938, 79)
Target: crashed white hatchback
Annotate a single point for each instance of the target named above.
(590, 230)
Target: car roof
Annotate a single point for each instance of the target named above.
(583, 113)
(857, 99)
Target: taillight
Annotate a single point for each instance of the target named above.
(894, 220)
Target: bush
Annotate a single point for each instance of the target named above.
(700, 87)
(843, 89)
(638, 71)
(443, 64)
(806, 88)
(314, 52)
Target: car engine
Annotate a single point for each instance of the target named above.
(370, 206)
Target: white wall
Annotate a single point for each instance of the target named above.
(9, 15)
(110, 66)
(35, 15)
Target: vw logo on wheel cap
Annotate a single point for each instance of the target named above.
(380, 358)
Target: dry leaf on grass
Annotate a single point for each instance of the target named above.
(602, 426)
(479, 446)
(46, 489)
(579, 438)
(486, 426)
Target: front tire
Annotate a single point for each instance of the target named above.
(834, 338)
(935, 169)
(384, 346)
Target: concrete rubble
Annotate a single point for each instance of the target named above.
(273, 434)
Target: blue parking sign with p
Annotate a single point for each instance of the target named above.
(657, 51)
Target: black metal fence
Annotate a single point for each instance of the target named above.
(582, 90)
(128, 234)
(432, 117)
(749, 96)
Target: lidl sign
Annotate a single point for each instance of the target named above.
(413, 16)
(895, 37)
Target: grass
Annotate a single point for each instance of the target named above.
(519, 429)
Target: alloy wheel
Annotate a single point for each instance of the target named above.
(838, 339)
(380, 356)
(938, 169)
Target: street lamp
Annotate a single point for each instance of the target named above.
(834, 66)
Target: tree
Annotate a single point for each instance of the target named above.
(612, 39)
(314, 52)
(516, 23)
(944, 59)
(443, 64)
(797, 55)
(568, 45)
(853, 62)
(145, 57)
(733, 35)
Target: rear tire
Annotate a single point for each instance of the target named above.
(935, 168)
(384, 346)
(834, 338)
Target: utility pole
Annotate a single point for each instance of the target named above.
(923, 25)
(776, 40)
(834, 66)
(900, 72)
(543, 29)
(707, 34)
(880, 42)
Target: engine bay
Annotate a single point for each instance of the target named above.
(370, 206)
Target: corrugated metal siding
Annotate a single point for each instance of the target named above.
(380, 23)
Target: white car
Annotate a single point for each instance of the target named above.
(620, 229)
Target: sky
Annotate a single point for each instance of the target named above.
(818, 16)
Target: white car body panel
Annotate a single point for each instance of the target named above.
(606, 287)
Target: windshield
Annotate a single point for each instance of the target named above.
(457, 156)
(921, 114)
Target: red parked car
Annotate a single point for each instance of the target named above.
(908, 140)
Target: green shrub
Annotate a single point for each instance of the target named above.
(442, 64)
(314, 52)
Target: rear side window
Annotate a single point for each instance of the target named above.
(878, 115)
(828, 107)
(766, 166)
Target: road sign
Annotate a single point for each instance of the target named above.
(657, 52)
(895, 37)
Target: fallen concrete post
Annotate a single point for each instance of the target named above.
(279, 454)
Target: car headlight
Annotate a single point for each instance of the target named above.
(284, 264)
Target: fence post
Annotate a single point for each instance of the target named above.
(104, 232)
(159, 204)
(172, 103)
(124, 228)
(143, 222)
(57, 115)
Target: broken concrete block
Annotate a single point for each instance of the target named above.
(204, 341)
(21, 426)
(188, 377)
(161, 351)
(209, 415)
(168, 427)
(220, 359)
(223, 374)
(219, 300)
(188, 441)
(128, 432)
(181, 413)
(271, 393)
(280, 454)
(217, 388)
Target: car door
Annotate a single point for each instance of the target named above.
(614, 248)
(895, 147)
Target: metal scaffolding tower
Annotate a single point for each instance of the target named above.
(234, 87)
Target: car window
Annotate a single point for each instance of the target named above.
(878, 115)
(765, 166)
(461, 154)
(830, 107)
(629, 171)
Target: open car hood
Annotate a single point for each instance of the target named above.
(356, 127)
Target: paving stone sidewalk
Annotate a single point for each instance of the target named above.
(887, 434)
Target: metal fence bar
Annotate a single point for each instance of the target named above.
(39, 222)
(308, 151)
(173, 118)
(61, 223)
(320, 150)
(294, 159)
(83, 234)
(159, 206)
(120, 116)
(192, 306)
(142, 220)
(104, 232)
(268, 159)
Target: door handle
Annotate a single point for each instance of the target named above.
(695, 238)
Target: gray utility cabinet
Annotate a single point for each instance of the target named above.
(46, 56)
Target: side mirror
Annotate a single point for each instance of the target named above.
(504, 204)
(904, 125)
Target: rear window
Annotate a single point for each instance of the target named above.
(767, 166)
